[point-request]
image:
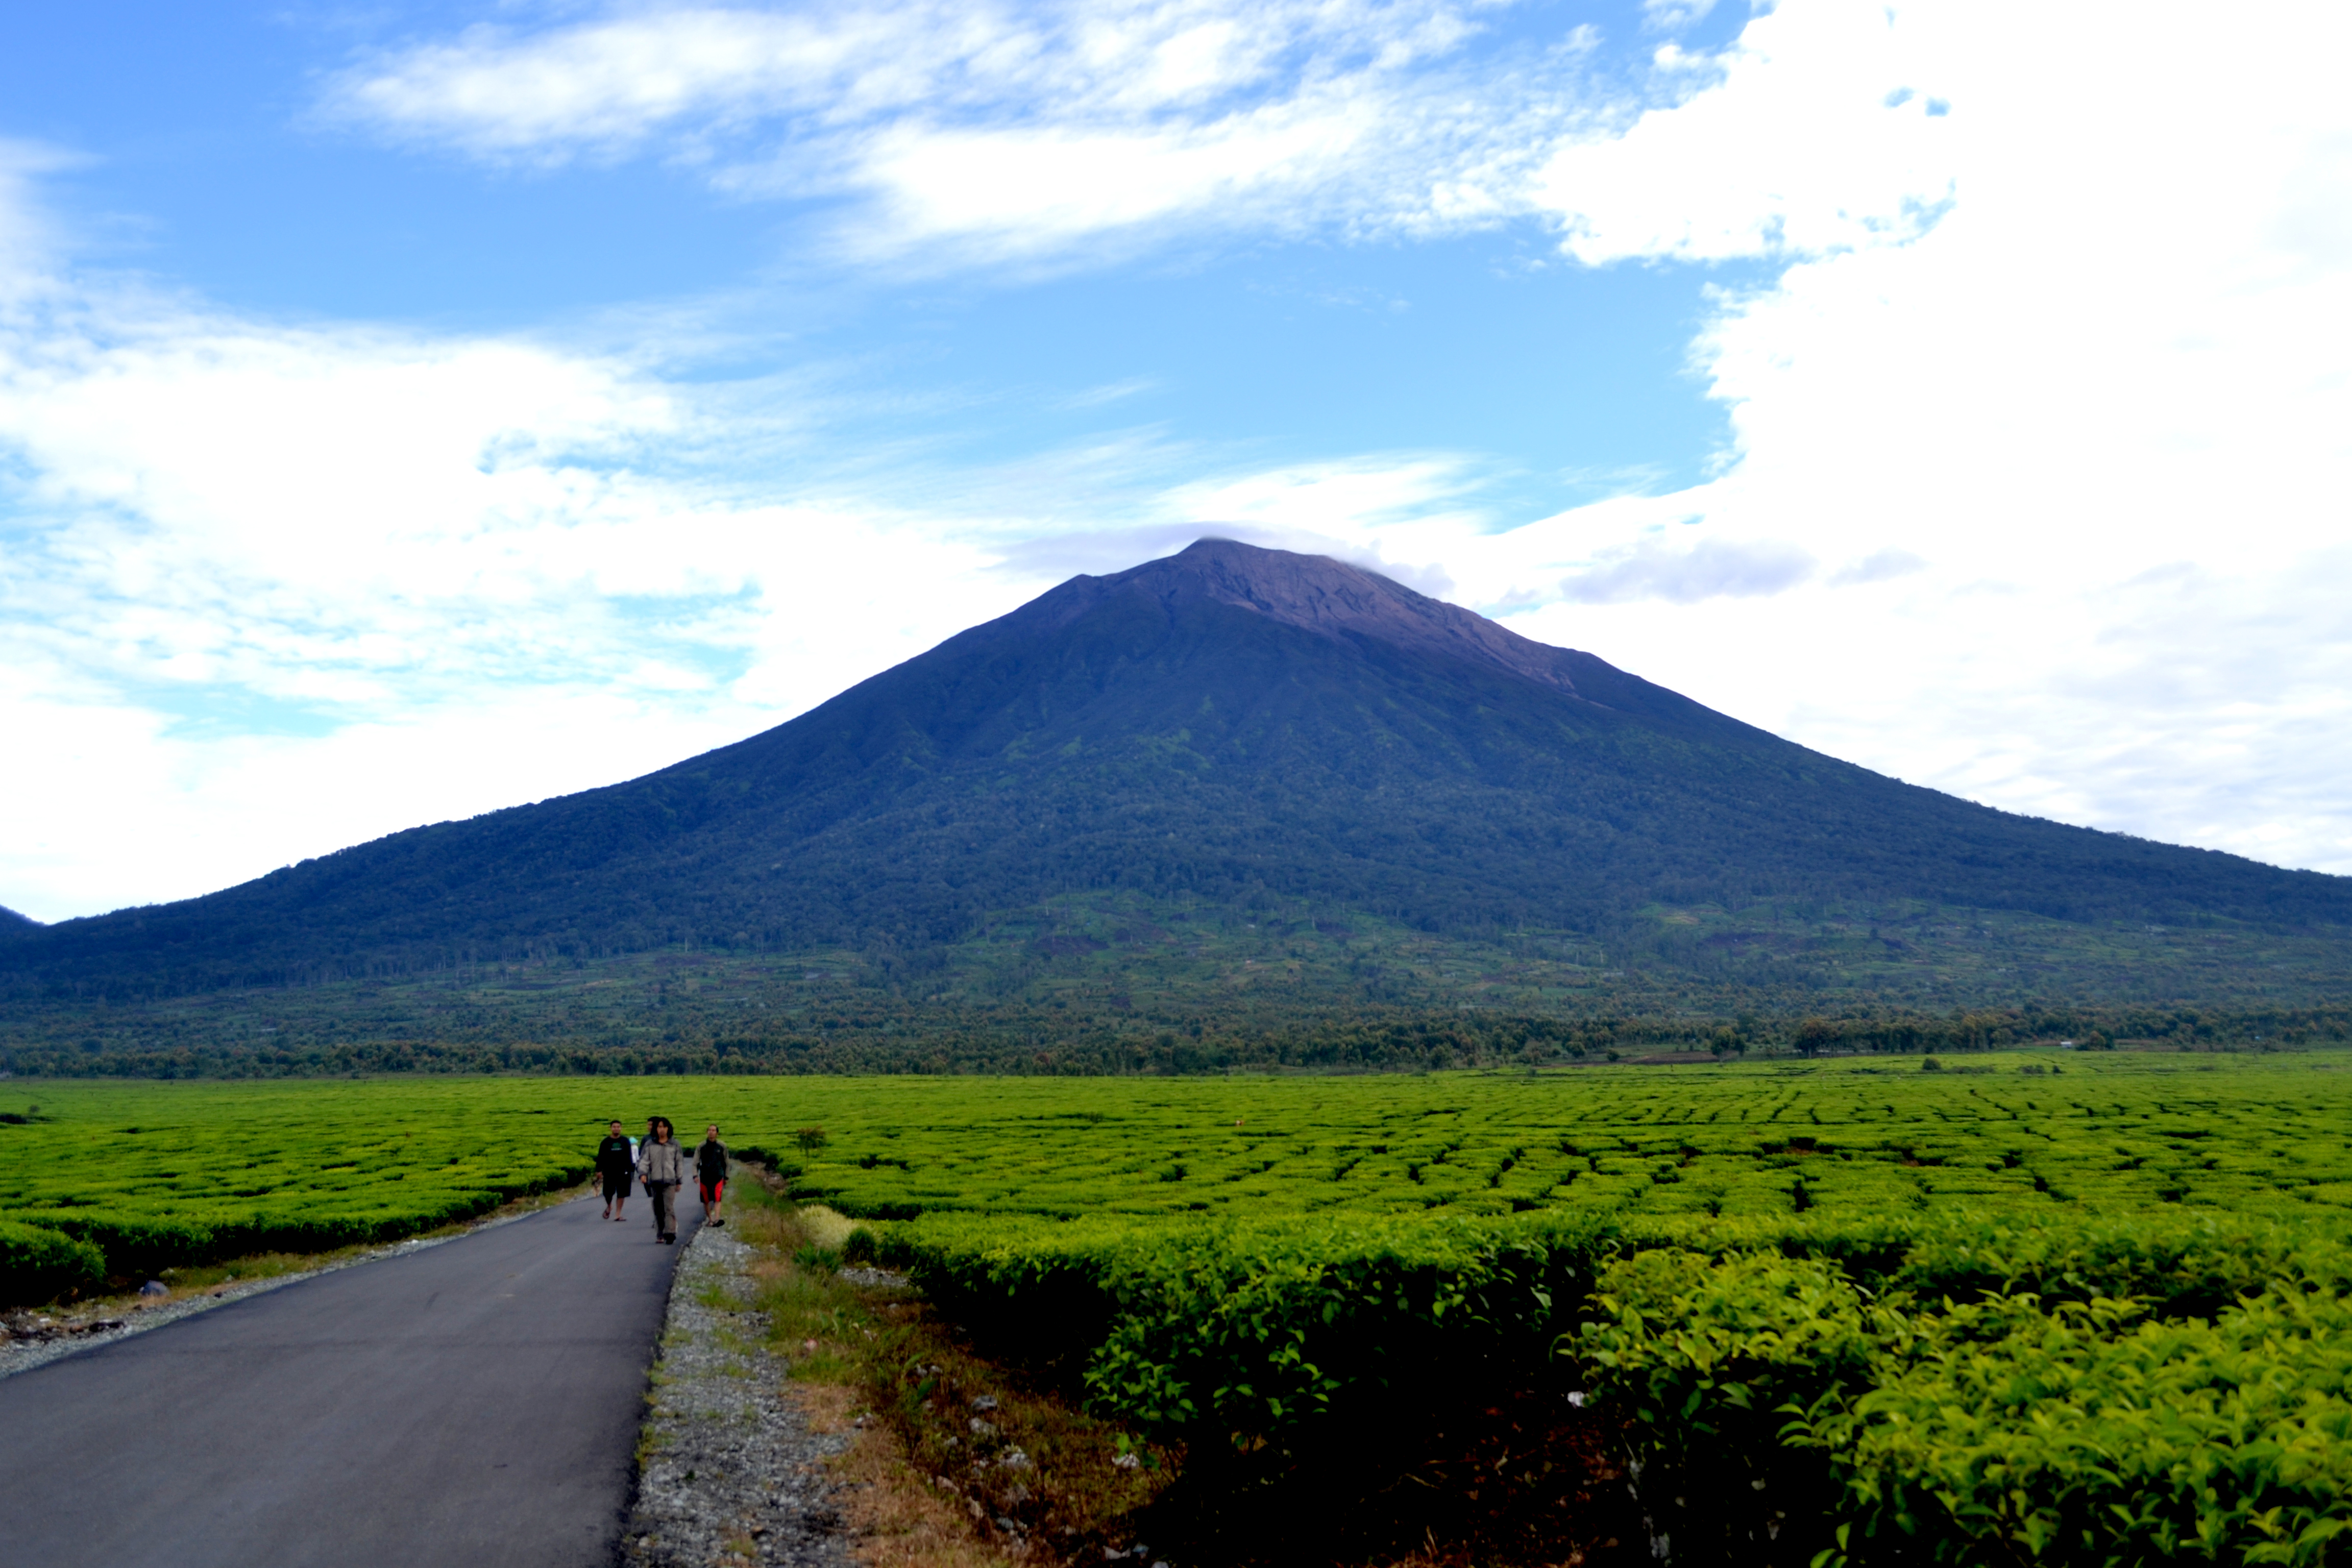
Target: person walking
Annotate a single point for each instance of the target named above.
(617, 1161)
(710, 1172)
(661, 1165)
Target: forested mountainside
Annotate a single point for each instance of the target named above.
(1226, 729)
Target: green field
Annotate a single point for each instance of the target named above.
(2029, 1133)
(2029, 1306)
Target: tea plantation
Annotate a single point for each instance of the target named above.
(2024, 1307)
(154, 1171)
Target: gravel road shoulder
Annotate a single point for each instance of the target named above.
(729, 1470)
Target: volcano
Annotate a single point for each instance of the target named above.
(1226, 723)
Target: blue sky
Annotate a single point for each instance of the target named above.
(407, 412)
(214, 162)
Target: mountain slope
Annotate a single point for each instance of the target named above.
(1225, 724)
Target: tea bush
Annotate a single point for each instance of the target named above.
(36, 1263)
(1833, 1315)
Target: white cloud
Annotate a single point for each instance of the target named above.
(28, 239)
(615, 82)
(2038, 490)
(1672, 16)
(1806, 136)
(1877, 567)
(424, 575)
(2080, 446)
(1706, 569)
(1009, 131)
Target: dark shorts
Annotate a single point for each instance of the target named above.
(713, 1191)
(616, 1187)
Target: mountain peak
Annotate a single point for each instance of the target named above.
(1230, 728)
(1327, 597)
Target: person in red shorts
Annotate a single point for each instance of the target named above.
(711, 1170)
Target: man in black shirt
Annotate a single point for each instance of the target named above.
(617, 1161)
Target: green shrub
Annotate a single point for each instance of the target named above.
(1251, 1332)
(2089, 1432)
(2180, 1264)
(39, 1264)
(1248, 1333)
(1783, 1406)
(130, 1246)
(1701, 1357)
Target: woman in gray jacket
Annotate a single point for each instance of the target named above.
(661, 1166)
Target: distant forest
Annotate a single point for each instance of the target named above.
(1034, 1044)
(1113, 984)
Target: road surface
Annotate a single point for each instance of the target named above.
(476, 1403)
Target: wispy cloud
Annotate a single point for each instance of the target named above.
(1878, 566)
(1709, 569)
(1109, 392)
(980, 134)
(1673, 15)
(1015, 132)
(28, 240)
(612, 84)
(1011, 130)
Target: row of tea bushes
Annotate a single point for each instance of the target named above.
(154, 1176)
(1783, 1410)
(1947, 1389)
(1251, 1331)
(39, 1264)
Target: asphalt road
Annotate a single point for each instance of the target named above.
(476, 1403)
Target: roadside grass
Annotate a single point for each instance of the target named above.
(827, 1228)
(955, 1461)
